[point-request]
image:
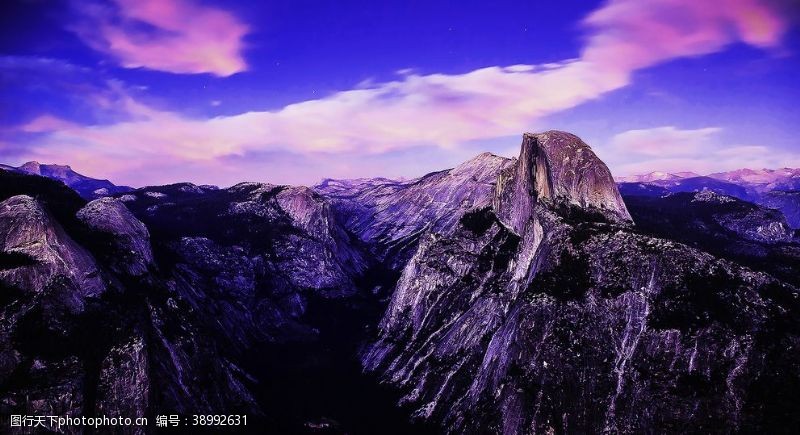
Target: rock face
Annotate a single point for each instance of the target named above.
(389, 216)
(85, 332)
(130, 240)
(47, 280)
(29, 231)
(533, 317)
(556, 168)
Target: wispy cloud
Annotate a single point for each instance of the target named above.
(662, 141)
(415, 110)
(671, 149)
(177, 36)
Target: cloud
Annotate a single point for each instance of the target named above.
(35, 87)
(47, 123)
(637, 34)
(176, 36)
(416, 110)
(671, 149)
(663, 141)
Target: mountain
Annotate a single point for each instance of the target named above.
(88, 326)
(540, 314)
(763, 180)
(755, 180)
(768, 187)
(749, 234)
(520, 295)
(89, 188)
(656, 176)
(693, 184)
(788, 202)
(390, 216)
(246, 300)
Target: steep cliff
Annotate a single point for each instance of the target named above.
(547, 312)
(30, 231)
(559, 169)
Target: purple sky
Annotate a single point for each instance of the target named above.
(151, 92)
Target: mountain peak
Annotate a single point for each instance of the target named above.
(482, 164)
(32, 167)
(52, 171)
(556, 167)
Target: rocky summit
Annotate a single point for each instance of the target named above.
(509, 296)
(87, 187)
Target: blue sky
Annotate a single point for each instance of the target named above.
(150, 92)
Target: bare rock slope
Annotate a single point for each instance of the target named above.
(547, 312)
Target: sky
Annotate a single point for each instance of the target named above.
(146, 92)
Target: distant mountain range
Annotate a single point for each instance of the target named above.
(87, 187)
(773, 188)
(758, 180)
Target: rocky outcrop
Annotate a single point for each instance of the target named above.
(560, 169)
(328, 266)
(130, 251)
(28, 230)
(747, 233)
(389, 216)
(124, 384)
(254, 261)
(747, 220)
(546, 312)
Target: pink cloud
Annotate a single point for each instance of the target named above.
(48, 123)
(443, 110)
(671, 149)
(636, 34)
(662, 141)
(187, 38)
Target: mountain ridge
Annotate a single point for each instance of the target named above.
(760, 180)
(87, 187)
